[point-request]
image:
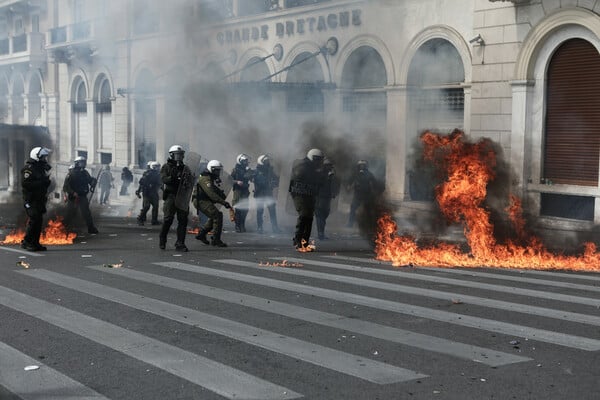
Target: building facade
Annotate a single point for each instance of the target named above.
(119, 81)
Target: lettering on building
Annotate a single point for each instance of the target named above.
(289, 28)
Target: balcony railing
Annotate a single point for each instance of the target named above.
(78, 32)
(21, 48)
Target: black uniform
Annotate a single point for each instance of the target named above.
(364, 186)
(328, 190)
(265, 180)
(241, 175)
(170, 174)
(149, 185)
(304, 187)
(34, 184)
(78, 184)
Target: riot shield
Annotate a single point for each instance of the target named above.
(188, 180)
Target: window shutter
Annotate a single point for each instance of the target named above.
(572, 137)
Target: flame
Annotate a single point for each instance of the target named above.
(55, 233)
(469, 168)
(306, 247)
(283, 263)
(194, 231)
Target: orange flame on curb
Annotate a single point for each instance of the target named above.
(55, 233)
(469, 168)
(306, 247)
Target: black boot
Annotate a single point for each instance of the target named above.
(218, 243)
(201, 236)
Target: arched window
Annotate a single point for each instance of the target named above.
(105, 123)
(18, 102)
(145, 118)
(572, 139)
(305, 95)
(254, 94)
(436, 103)
(79, 108)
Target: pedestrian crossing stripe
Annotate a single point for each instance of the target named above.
(430, 343)
(219, 378)
(464, 298)
(37, 385)
(357, 366)
(542, 335)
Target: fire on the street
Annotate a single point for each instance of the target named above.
(468, 168)
(55, 233)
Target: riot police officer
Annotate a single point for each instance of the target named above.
(34, 183)
(148, 190)
(328, 190)
(206, 195)
(364, 187)
(265, 181)
(78, 183)
(171, 174)
(241, 174)
(304, 187)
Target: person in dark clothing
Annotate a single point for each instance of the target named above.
(148, 190)
(265, 181)
(206, 195)
(78, 183)
(171, 174)
(126, 180)
(328, 190)
(105, 181)
(241, 175)
(363, 186)
(304, 187)
(34, 184)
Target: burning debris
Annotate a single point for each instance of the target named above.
(306, 247)
(283, 263)
(114, 265)
(55, 233)
(23, 264)
(468, 169)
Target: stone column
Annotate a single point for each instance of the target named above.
(518, 145)
(92, 134)
(395, 150)
(162, 144)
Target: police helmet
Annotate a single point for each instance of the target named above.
(315, 155)
(149, 165)
(362, 164)
(176, 153)
(154, 165)
(39, 153)
(263, 159)
(214, 167)
(80, 162)
(243, 159)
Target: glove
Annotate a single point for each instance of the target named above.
(137, 193)
(227, 205)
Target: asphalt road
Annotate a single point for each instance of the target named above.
(333, 324)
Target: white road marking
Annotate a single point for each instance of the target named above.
(357, 366)
(219, 378)
(43, 383)
(430, 343)
(561, 339)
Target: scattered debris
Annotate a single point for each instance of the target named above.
(115, 265)
(283, 263)
(23, 264)
(31, 367)
(456, 301)
(86, 256)
(514, 342)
